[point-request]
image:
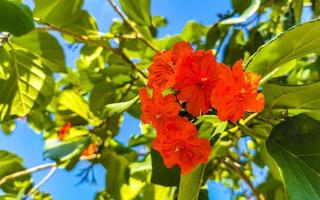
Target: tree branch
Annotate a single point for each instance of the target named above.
(236, 128)
(39, 168)
(127, 21)
(43, 181)
(97, 42)
(236, 167)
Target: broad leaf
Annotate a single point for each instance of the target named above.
(247, 13)
(118, 108)
(294, 43)
(70, 101)
(8, 197)
(58, 12)
(29, 87)
(117, 165)
(66, 153)
(190, 184)
(5, 67)
(45, 46)
(189, 34)
(297, 9)
(161, 174)
(293, 99)
(137, 11)
(294, 145)
(16, 18)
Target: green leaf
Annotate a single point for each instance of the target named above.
(70, 101)
(234, 50)
(137, 11)
(66, 153)
(85, 24)
(5, 67)
(209, 125)
(8, 197)
(29, 87)
(190, 184)
(8, 127)
(161, 174)
(117, 165)
(16, 18)
(247, 13)
(193, 31)
(11, 163)
(58, 12)
(45, 46)
(297, 9)
(298, 41)
(272, 189)
(118, 108)
(240, 5)
(294, 145)
(293, 99)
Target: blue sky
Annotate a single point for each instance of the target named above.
(29, 145)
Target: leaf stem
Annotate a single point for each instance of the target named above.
(131, 25)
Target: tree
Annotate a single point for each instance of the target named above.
(79, 111)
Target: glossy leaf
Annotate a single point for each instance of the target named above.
(117, 166)
(70, 101)
(189, 33)
(118, 108)
(294, 43)
(161, 174)
(190, 184)
(299, 166)
(29, 87)
(5, 67)
(66, 153)
(55, 11)
(297, 9)
(137, 11)
(46, 46)
(293, 99)
(16, 18)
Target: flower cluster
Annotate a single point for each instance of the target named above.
(182, 79)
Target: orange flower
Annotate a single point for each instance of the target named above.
(196, 78)
(179, 144)
(91, 149)
(162, 71)
(236, 92)
(64, 130)
(157, 109)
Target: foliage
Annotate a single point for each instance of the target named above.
(37, 85)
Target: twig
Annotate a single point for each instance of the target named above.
(127, 21)
(236, 128)
(236, 168)
(97, 42)
(43, 181)
(39, 168)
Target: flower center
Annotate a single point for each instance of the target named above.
(201, 83)
(171, 67)
(179, 146)
(240, 96)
